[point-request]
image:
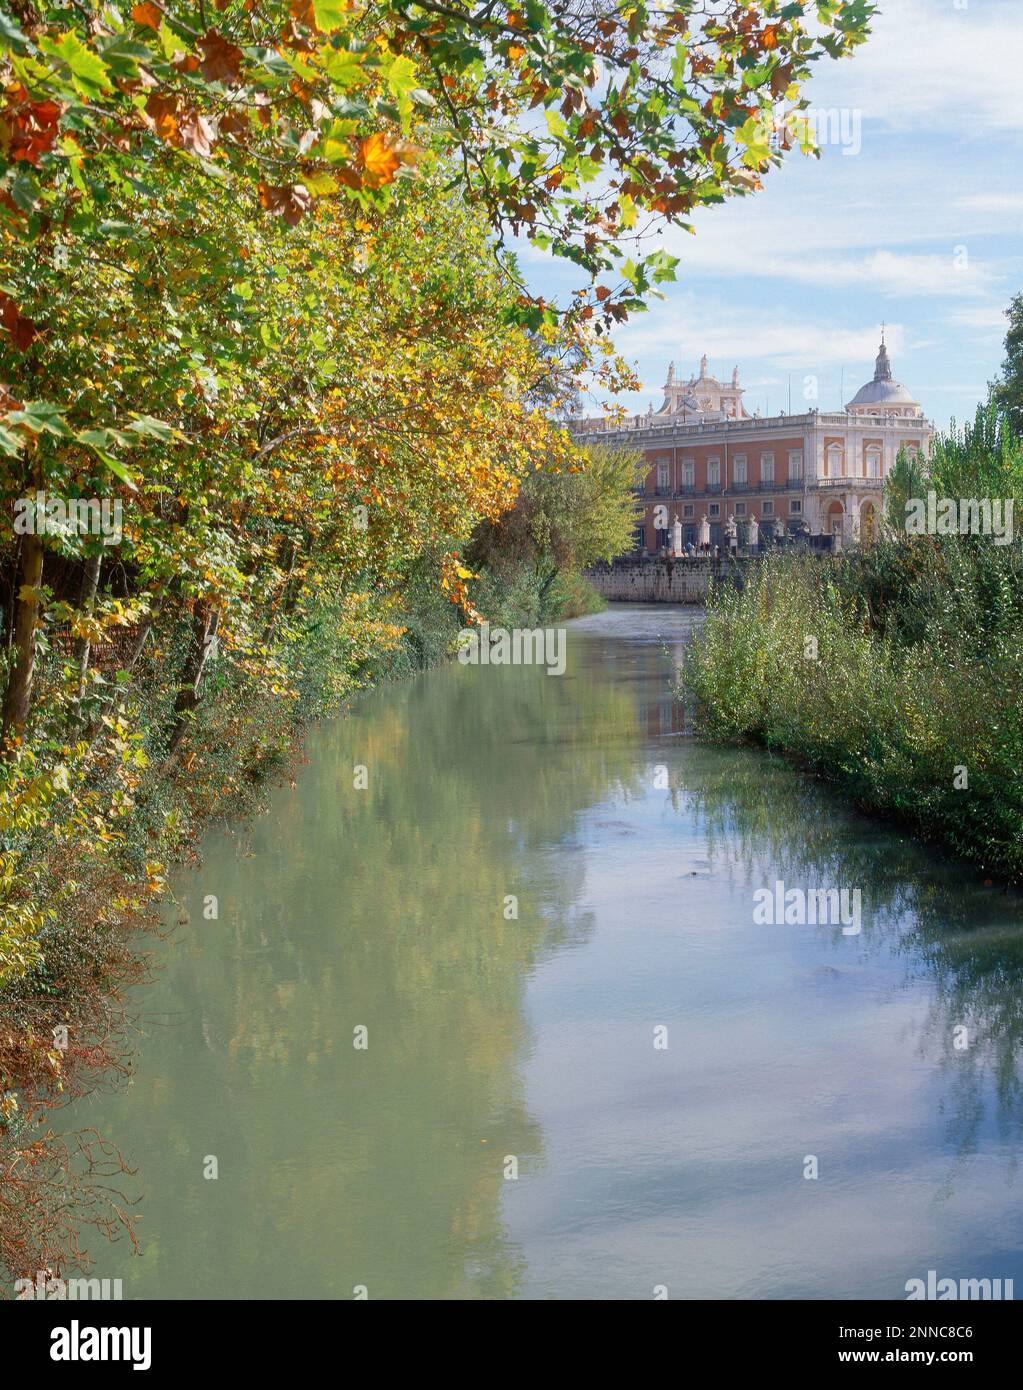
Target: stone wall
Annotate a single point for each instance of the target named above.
(656, 581)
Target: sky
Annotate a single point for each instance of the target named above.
(914, 218)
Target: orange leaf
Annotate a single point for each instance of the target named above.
(302, 10)
(163, 112)
(378, 159)
(147, 15)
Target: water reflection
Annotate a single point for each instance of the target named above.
(959, 938)
(632, 855)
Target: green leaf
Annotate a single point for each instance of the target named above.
(41, 417)
(330, 15)
(115, 465)
(89, 74)
(10, 31)
(401, 78)
(320, 185)
(154, 429)
(10, 443)
(343, 68)
(25, 191)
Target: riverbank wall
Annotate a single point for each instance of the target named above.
(663, 581)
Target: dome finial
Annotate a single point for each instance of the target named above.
(883, 366)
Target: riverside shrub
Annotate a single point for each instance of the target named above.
(894, 673)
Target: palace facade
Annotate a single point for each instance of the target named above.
(711, 462)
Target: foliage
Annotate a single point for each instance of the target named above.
(905, 481)
(565, 519)
(635, 111)
(891, 670)
(1008, 390)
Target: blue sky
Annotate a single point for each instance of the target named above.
(921, 229)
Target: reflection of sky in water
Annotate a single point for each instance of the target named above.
(684, 1167)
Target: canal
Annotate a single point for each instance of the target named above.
(481, 1010)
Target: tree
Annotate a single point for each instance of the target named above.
(566, 519)
(146, 152)
(906, 481)
(1008, 390)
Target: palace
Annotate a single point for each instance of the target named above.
(711, 462)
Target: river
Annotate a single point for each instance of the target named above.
(501, 1023)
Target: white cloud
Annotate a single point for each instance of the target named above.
(981, 316)
(730, 335)
(888, 273)
(934, 66)
(993, 202)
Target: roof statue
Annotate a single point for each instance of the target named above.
(703, 399)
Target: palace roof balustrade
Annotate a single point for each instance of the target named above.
(656, 429)
(861, 484)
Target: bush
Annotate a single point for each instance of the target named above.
(884, 672)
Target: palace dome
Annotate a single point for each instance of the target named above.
(883, 393)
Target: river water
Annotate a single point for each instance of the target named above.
(588, 1072)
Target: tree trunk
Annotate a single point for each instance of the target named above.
(12, 601)
(204, 633)
(18, 699)
(83, 645)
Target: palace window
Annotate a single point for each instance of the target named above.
(688, 510)
(873, 464)
(688, 473)
(740, 509)
(795, 506)
(767, 468)
(663, 475)
(715, 509)
(795, 465)
(713, 472)
(834, 461)
(739, 469)
(767, 508)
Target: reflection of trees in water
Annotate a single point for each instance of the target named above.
(964, 939)
(381, 908)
